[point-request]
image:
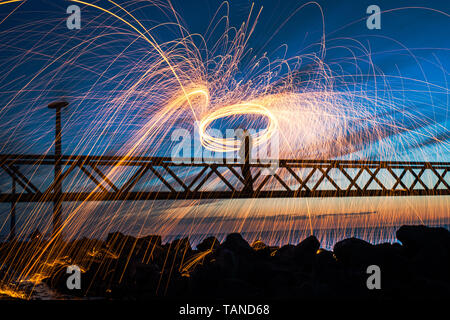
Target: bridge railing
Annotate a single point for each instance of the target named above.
(108, 178)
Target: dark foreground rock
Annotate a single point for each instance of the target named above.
(125, 267)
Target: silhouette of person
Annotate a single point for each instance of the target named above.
(245, 155)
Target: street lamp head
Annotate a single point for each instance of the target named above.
(58, 105)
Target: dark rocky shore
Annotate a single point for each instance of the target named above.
(124, 267)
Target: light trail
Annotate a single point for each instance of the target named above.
(147, 88)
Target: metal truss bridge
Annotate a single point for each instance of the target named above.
(58, 179)
(90, 178)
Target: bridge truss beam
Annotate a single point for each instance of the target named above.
(155, 178)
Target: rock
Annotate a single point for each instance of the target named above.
(155, 254)
(325, 273)
(234, 242)
(306, 250)
(125, 267)
(416, 238)
(99, 277)
(78, 248)
(146, 278)
(205, 280)
(286, 250)
(258, 245)
(210, 243)
(261, 250)
(227, 262)
(235, 258)
(118, 242)
(59, 278)
(177, 252)
(302, 254)
(150, 240)
(285, 254)
(354, 256)
(354, 252)
(182, 244)
(428, 250)
(325, 259)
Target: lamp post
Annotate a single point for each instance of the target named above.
(12, 228)
(57, 190)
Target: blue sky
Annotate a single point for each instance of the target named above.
(411, 50)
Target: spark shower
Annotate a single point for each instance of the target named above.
(136, 71)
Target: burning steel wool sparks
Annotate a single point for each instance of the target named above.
(137, 89)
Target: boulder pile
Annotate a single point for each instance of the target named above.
(125, 267)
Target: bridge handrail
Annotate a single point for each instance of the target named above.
(48, 159)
